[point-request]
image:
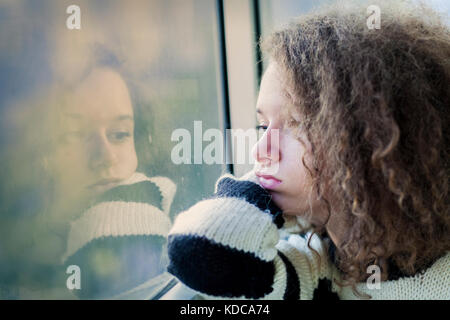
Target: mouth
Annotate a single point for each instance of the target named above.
(267, 181)
(103, 184)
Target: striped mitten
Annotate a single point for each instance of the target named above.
(120, 242)
(224, 247)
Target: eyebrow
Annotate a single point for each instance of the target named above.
(118, 118)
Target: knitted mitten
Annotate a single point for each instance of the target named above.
(229, 247)
(120, 241)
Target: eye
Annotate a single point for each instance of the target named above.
(119, 136)
(261, 129)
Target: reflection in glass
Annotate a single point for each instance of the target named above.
(87, 117)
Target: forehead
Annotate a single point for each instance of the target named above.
(271, 96)
(103, 95)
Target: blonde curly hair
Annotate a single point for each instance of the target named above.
(375, 106)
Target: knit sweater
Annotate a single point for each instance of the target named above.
(232, 246)
(120, 241)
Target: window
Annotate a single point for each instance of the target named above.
(93, 92)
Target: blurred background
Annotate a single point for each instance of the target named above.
(182, 61)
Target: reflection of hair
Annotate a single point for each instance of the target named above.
(374, 104)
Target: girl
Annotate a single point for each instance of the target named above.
(362, 155)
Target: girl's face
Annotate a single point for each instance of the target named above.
(280, 150)
(95, 147)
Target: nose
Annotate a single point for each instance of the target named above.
(267, 150)
(101, 153)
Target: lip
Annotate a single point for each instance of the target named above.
(104, 184)
(268, 181)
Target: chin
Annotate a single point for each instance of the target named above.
(280, 202)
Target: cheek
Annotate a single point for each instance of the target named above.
(68, 162)
(70, 172)
(300, 178)
(295, 197)
(127, 158)
(293, 152)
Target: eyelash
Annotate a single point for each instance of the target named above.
(261, 127)
(119, 136)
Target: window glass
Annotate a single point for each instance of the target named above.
(79, 86)
(275, 14)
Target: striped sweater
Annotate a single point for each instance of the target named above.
(233, 245)
(120, 241)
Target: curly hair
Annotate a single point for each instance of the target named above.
(374, 105)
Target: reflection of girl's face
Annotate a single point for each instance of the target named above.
(95, 148)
